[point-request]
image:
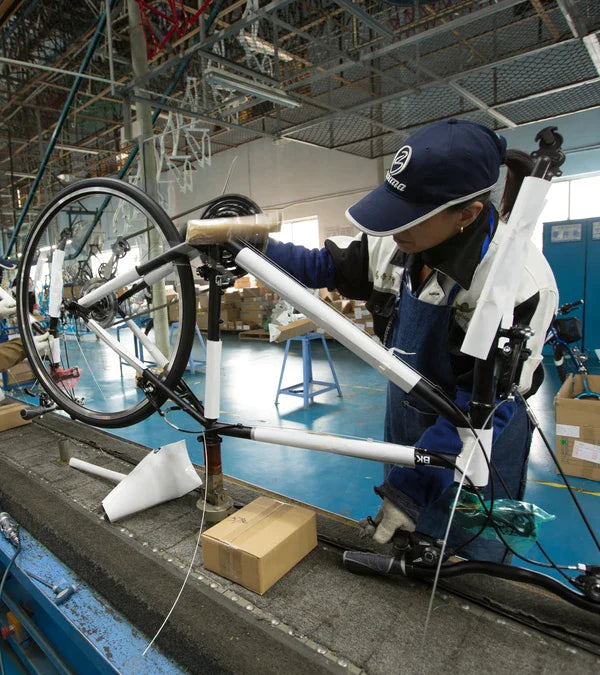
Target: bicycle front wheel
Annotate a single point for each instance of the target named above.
(118, 228)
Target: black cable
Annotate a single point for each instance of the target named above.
(517, 574)
(4, 578)
(563, 476)
(489, 514)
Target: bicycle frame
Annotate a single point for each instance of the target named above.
(553, 339)
(475, 442)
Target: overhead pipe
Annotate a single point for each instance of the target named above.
(57, 130)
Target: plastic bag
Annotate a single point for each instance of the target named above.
(517, 523)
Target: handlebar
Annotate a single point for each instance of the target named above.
(35, 411)
(361, 562)
(568, 306)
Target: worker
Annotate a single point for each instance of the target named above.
(428, 236)
(12, 351)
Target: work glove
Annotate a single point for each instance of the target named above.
(389, 518)
(43, 344)
(8, 308)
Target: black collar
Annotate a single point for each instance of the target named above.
(459, 256)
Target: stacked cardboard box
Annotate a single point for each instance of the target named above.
(172, 304)
(254, 308)
(241, 309)
(355, 310)
(362, 317)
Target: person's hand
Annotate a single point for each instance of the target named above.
(389, 518)
(43, 344)
(8, 308)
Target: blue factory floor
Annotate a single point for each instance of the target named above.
(339, 484)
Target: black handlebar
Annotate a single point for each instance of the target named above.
(35, 411)
(361, 562)
(568, 306)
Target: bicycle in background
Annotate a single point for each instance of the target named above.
(562, 334)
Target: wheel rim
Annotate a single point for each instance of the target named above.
(106, 392)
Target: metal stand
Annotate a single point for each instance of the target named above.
(218, 503)
(306, 389)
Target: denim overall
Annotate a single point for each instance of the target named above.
(421, 332)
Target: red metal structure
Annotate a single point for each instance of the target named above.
(165, 21)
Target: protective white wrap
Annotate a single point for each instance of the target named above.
(163, 474)
(56, 283)
(56, 350)
(212, 396)
(337, 325)
(496, 302)
(472, 459)
(404, 455)
(39, 273)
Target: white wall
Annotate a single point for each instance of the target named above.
(310, 181)
(303, 180)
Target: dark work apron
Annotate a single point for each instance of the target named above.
(421, 332)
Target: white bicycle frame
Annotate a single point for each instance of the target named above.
(337, 325)
(475, 456)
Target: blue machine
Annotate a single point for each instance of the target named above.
(572, 247)
(52, 623)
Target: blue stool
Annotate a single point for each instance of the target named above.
(306, 388)
(137, 346)
(192, 363)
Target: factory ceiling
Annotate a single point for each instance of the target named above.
(353, 76)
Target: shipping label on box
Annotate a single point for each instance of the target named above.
(578, 428)
(259, 543)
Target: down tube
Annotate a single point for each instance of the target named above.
(345, 332)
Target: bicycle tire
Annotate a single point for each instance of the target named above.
(157, 225)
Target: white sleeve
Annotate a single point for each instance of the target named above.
(537, 276)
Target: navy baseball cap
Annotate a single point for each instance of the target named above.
(442, 164)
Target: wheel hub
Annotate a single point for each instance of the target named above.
(105, 310)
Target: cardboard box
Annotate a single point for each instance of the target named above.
(257, 545)
(252, 292)
(293, 329)
(172, 306)
(578, 428)
(10, 416)
(20, 373)
(242, 282)
(202, 320)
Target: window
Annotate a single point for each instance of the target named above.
(584, 201)
(569, 200)
(303, 232)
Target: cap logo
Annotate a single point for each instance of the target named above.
(401, 160)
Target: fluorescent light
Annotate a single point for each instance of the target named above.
(44, 248)
(77, 148)
(246, 86)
